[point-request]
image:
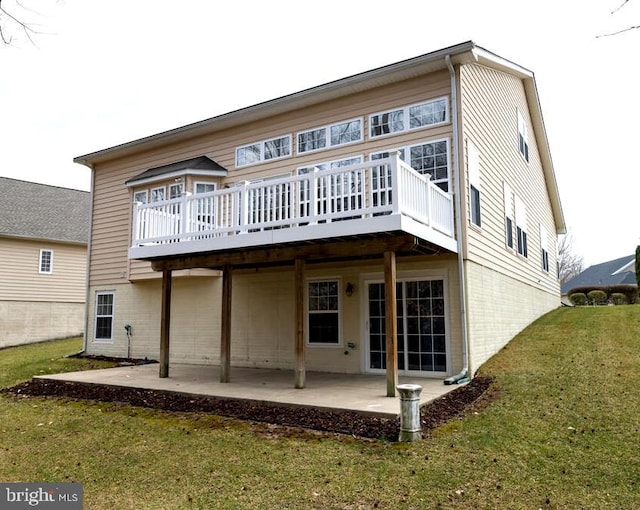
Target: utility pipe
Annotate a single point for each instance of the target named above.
(463, 376)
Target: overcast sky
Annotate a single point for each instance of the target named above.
(103, 73)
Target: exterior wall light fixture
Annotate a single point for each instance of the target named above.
(350, 289)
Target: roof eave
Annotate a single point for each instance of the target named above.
(369, 79)
(545, 154)
(43, 239)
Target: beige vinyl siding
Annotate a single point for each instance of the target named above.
(491, 101)
(112, 212)
(22, 281)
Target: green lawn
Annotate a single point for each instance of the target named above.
(562, 432)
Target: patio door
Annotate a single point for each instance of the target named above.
(422, 335)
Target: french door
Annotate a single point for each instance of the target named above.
(422, 345)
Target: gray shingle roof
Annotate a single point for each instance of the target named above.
(203, 163)
(38, 211)
(602, 274)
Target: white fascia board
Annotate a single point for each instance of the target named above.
(175, 175)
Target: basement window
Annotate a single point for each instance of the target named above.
(323, 319)
(105, 306)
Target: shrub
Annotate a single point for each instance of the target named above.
(597, 297)
(629, 290)
(578, 298)
(618, 298)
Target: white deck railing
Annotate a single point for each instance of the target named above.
(375, 188)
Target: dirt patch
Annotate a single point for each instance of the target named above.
(452, 405)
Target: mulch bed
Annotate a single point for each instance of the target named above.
(450, 406)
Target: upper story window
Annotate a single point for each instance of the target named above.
(141, 197)
(206, 207)
(204, 187)
(265, 150)
(157, 194)
(427, 158)
(426, 114)
(521, 227)
(332, 135)
(350, 183)
(386, 123)
(523, 137)
(176, 190)
(46, 262)
(544, 250)
(508, 215)
(330, 165)
(312, 140)
(473, 167)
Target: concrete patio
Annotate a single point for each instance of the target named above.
(345, 392)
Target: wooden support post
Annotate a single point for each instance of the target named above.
(225, 327)
(391, 320)
(300, 372)
(165, 323)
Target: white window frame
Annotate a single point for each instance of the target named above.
(327, 135)
(159, 191)
(544, 248)
(475, 195)
(142, 193)
(322, 136)
(172, 190)
(523, 137)
(374, 122)
(261, 151)
(405, 155)
(45, 267)
(509, 217)
(205, 184)
(338, 311)
(521, 228)
(406, 117)
(330, 165)
(97, 316)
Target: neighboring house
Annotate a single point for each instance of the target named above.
(43, 248)
(614, 272)
(282, 235)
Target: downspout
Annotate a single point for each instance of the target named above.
(463, 376)
(86, 298)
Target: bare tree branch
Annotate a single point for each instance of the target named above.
(624, 2)
(618, 32)
(619, 7)
(27, 29)
(569, 264)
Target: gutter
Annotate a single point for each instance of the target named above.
(86, 306)
(463, 376)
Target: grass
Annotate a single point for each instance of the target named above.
(561, 432)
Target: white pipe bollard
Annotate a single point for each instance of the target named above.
(410, 427)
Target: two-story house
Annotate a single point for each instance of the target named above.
(398, 221)
(43, 248)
